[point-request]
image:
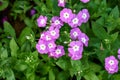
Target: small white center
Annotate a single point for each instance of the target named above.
(48, 37)
(61, 1)
(58, 51)
(111, 62)
(83, 40)
(76, 48)
(57, 22)
(53, 33)
(75, 34)
(50, 45)
(42, 35)
(66, 15)
(42, 47)
(75, 21)
(84, 16)
(42, 21)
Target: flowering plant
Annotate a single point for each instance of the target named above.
(59, 40)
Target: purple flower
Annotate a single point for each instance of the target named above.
(84, 15)
(84, 39)
(75, 50)
(54, 33)
(119, 56)
(74, 33)
(56, 22)
(75, 21)
(51, 46)
(111, 64)
(5, 18)
(41, 21)
(46, 36)
(66, 15)
(61, 3)
(41, 47)
(32, 12)
(58, 52)
(84, 1)
(118, 51)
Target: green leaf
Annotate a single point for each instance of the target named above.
(23, 36)
(28, 22)
(9, 29)
(114, 36)
(4, 4)
(115, 12)
(9, 74)
(91, 76)
(21, 65)
(51, 75)
(63, 63)
(99, 31)
(4, 54)
(14, 47)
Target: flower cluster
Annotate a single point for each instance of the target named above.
(46, 43)
(119, 54)
(111, 64)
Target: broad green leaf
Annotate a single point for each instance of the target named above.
(9, 74)
(4, 54)
(63, 63)
(91, 76)
(23, 36)
(115, 12)
(62, 76)
(21, 65)
(51, 75)
(76, 67)
(28, 22)
(114, 36)
(99, 31)
(4, 4)
(14, 47)
(9, 29)
(95, 67)
(116, 77)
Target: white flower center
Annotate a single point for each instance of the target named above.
(83, 40)
(57, 22)
(61, 1)
(42, 21)
(53, 33)
(58, 51)
(48, 37)
(75, 21)
(66, 15)
(76, 48)
(42, 35)
(84, 16)
(111, 62)
(50, 45)
(42, 47)
(75, 34)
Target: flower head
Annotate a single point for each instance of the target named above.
(75, 50)
(56, 22)
(32, 12)
(41, 21)
(66, 15)
(41, 47)
(84, 39)
(51, 46)
(61, 3)
(84, 15)
(111, 64)
(58, 52)
(75, 21)
(119, 51)
(54, 33)
(84, 1)
(75, 33)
